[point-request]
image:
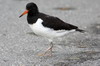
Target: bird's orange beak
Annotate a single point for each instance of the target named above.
(25, 12)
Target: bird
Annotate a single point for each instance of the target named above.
(47, 26)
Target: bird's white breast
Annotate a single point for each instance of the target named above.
(40, 30)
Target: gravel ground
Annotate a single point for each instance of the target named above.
(19, 47)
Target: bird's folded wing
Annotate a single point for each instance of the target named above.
(57, 24)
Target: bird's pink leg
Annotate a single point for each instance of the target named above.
(48, 52)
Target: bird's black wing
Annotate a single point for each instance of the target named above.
(57, 24)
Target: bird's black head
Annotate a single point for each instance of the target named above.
(31, 6)
(31, 9)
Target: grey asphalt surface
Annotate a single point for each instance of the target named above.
(19, 47)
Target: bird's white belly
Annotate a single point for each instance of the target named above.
(43, 31)
(40, 30)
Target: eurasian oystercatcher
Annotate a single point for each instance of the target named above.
(46, 25)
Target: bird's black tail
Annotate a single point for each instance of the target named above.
(80, 30)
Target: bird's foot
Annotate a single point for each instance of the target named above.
(44, 54)
(47, 53)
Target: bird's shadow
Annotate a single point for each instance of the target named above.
(31, 33)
